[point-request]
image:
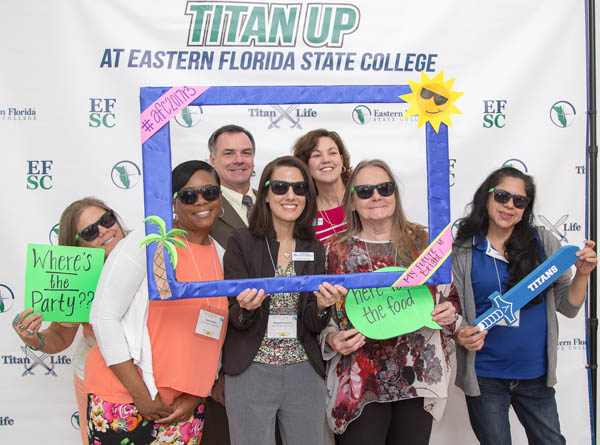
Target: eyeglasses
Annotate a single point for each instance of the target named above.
(91, 232)
(437, 98)
(281, 187)
(189, 197)
(502, 197)
(365, 191)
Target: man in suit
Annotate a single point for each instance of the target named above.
(232, 150)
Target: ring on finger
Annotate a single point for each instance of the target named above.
(21, 327)
(30, 331)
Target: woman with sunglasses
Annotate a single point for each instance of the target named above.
(383, 391)
(88, 222)
(273, 366)
(329, 164)
(496, 246)
(154, 362)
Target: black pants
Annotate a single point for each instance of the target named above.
(393, 423)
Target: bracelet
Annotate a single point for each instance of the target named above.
(42, 340)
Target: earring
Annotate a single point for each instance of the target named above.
(344, 169)
(222, 212)
(175, 217)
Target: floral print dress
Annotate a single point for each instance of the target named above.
(411, 365)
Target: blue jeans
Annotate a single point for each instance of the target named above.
(533, 402)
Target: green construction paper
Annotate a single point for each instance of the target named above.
(60, 281)
(386, 312)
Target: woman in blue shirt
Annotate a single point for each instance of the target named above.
(496, 246)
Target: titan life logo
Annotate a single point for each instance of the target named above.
(516, 163)
(102, 112)
(269, 24)
(494, 114)
(562, 114)
(7, 298)
(560, 227)
(38, 175)
(125, 174)
(362, 115)
(190, 116)
(6, 421)
(35, 362)
(286, 115)
(18, 114)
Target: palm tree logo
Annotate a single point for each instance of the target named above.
(168, 240)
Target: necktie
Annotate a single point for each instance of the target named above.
(247, 201)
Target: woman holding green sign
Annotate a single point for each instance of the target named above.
(496, 246)
(384, 391)
(88, 222)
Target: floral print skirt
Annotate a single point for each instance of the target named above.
(122, 424)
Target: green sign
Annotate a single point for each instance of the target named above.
(60, 281)
(387, 312)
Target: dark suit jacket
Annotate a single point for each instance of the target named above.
(230, 221)
(247, 257)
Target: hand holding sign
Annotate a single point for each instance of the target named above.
(60, 281)
(387, 312)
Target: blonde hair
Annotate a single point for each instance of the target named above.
(409, 238)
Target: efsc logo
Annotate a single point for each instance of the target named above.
(7, 298)
(361, 114)
(270, 24)
(18, 114)
(283, 114)
(574, 344)
(562, 114)
(38, 175)
(102, 112)
(189, 116)
(515, 163)
(53, 235)
(494, 115)
(125, 174)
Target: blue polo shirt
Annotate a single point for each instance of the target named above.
(508, 352)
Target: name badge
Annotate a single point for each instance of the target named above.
(514, 325)
(209, 324)
(282, 326)
(303, 256)
(318, 222)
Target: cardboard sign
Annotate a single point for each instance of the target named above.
(60, 281)
(387, 312)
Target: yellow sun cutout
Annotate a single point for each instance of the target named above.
(432, 100)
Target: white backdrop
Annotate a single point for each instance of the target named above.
(69, 107)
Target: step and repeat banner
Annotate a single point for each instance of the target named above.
(69, 128)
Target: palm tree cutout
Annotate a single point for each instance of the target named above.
(168, 240)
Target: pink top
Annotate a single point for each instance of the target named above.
(182, 360)
(329, 222)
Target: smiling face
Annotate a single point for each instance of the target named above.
(325, 162)
(288, 207)
(107, 237)
(199, 217)
(504, 217)
(234, 161)
(433, 99)
(376, 208)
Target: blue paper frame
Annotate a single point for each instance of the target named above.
(158, 195)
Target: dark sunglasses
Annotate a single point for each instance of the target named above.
(365, 191)
(502, 197)
(281, 187)
(91, 232)
(437, 98)
(189, 197)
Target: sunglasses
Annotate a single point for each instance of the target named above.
(91, 232)
(502, 197)
(365, 191)
(189, 197)
(437, 98)
(281, 187)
